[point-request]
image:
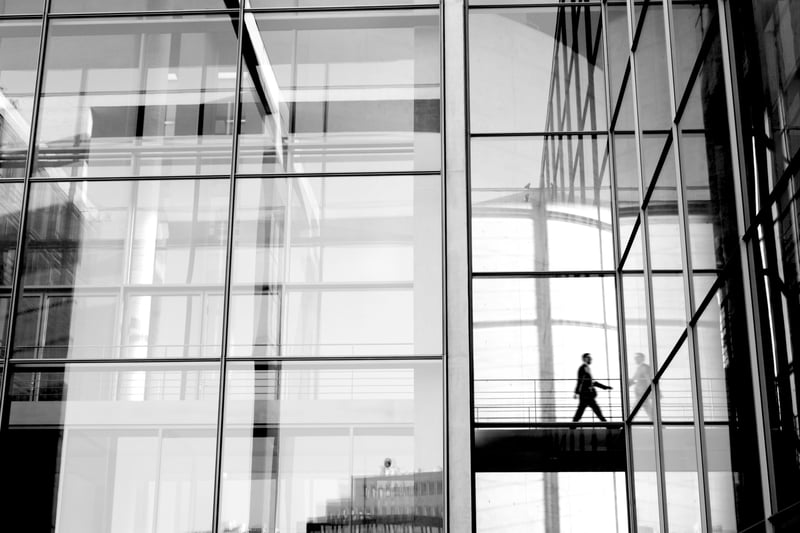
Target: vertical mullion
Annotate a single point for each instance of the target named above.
(16, 279)
(226, 294)
(458, 375)
(618, 281)
(646, 266)
(683, 223)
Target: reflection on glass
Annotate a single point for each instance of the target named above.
(81, 6)
(618, 49)
(651, 71)
(634, 260)
(533, 195)
(627, 185)
(555, 502)
(13, 7)
(682, 492)
(337, 267)
(669, 312)
(19, 52)
(333, 3)
(690, 21)
(721, 479)
(529, 335)
(675, 389)
(123, 269)
(313, 447)
(713, 349)
(536, 69)
(121, 449)
(663, 224)
(10, 206)
(645, 477)
(136, 97)
(637, 343)
(324, 92)
(707, 168)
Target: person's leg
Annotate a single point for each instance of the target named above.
(581, 408)
(596, 409)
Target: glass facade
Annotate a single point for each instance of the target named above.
(222, 274)
(233, 266)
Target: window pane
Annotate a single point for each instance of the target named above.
(680, 478)
(122, 448)
(529, 335)
(519, 80)
(515, 502)
(337, 267)
(669, 310)
(691, 21)
(333, 3)
(645, 477)
(137, 97)
(79, 6)
(123, 269)
(663, 223)
(627, 184)
(324, 92)
(651, 71)
(313, 443)
(675, 389)
(10, 206)
(19, 53)
(540, 204)
(13, 7)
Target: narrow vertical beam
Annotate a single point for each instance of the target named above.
(458, 373)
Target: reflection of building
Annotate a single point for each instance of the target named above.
(249, 250)
(411, 502)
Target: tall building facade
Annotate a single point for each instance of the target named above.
(333, 265)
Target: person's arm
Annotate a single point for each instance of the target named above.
(600, 385)
(580, 379)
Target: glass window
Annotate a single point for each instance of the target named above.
(669, 312)
(79, 6)
(333, 3)
(637, 342)
(337, 267)
(690, 20)
(682, 492)
(713, 347)
(675, 389)
(137, 97)
(14, 7)
(315, 445)
(514, 502)
(335, 92)
(123, 269)
(645, 476)
(10, 206)
(619, 48)
(651, 71)
(19, 53)
(536, 70)
(120, 448)
(721, 476)
(663, 221)
(529, 335)
(540, 203)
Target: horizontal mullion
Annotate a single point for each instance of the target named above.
(559, 133)
(544, 274)
(343, 8)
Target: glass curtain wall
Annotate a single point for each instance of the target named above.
(692, 437)
(543, 262)
(221, 299)
(767, 51)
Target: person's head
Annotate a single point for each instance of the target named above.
(587, 358)
(639, 358)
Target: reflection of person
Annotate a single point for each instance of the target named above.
(639, 382)
(585, 390)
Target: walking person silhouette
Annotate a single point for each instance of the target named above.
(585, 390)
